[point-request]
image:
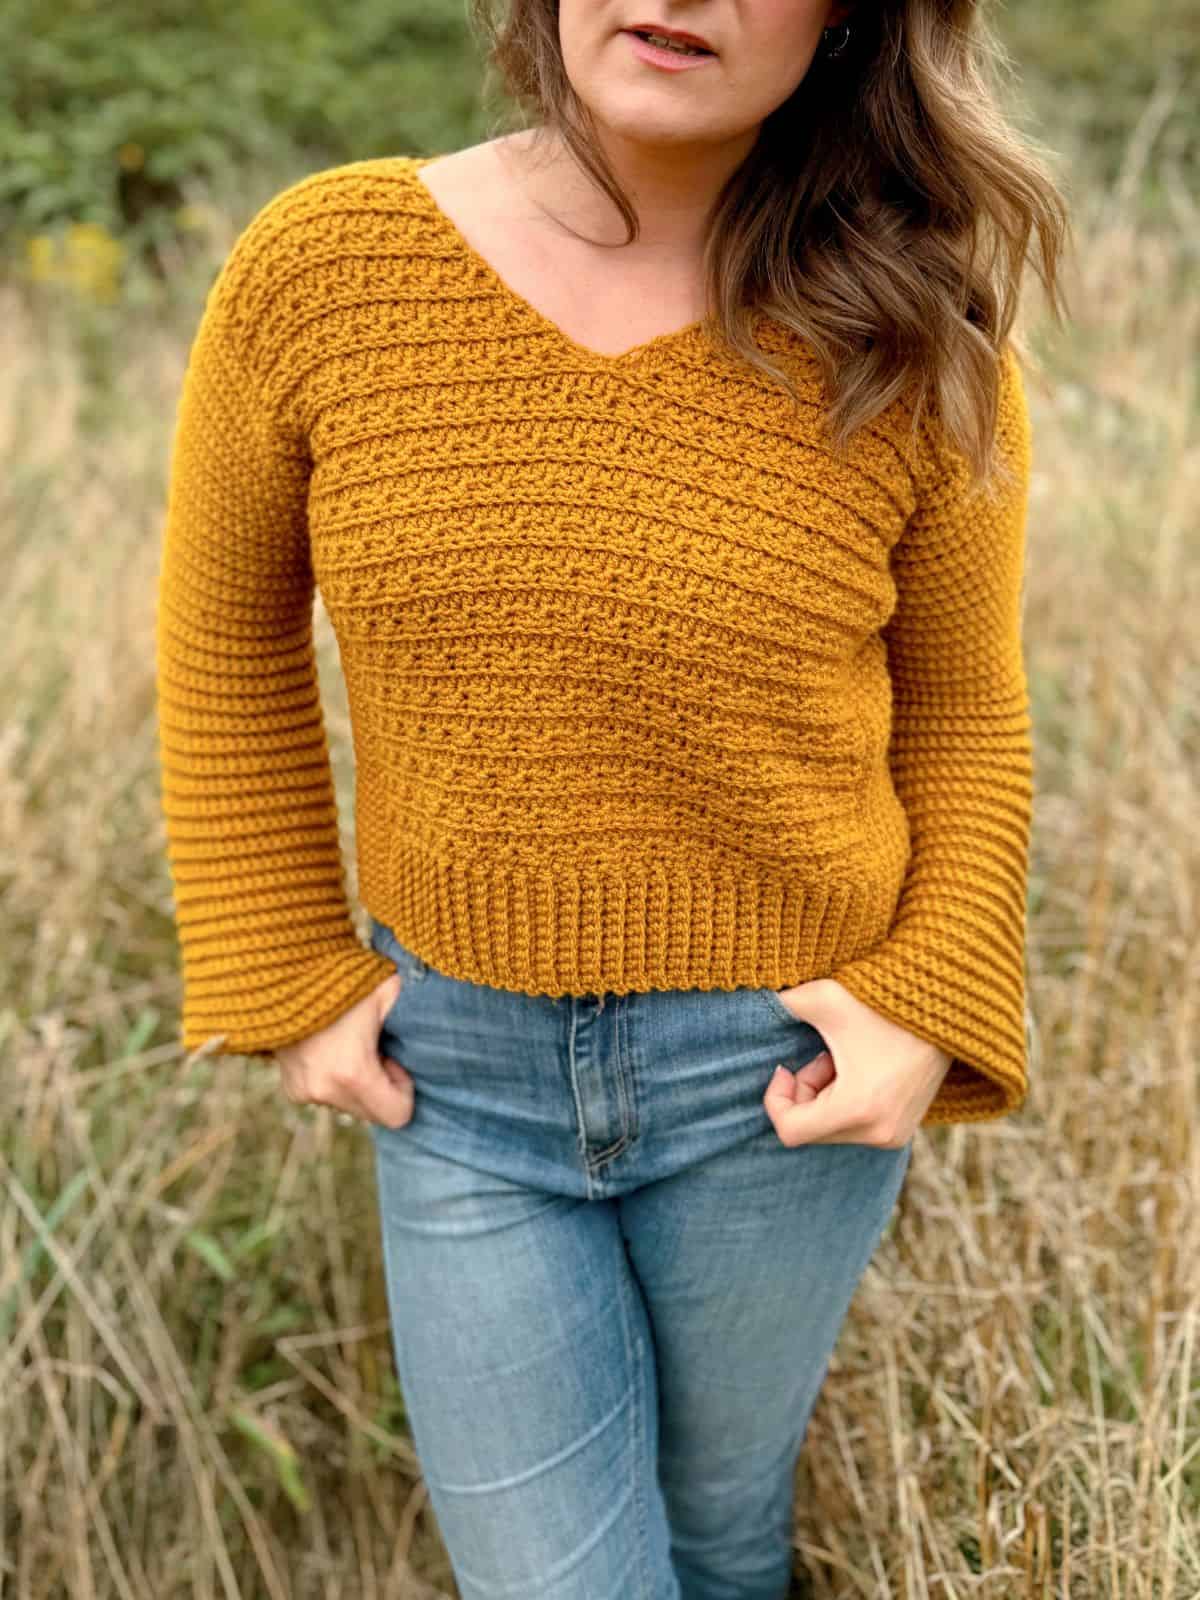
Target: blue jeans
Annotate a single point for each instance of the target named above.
(613, 1292)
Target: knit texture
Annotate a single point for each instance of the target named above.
(649, 689)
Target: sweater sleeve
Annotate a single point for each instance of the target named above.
(952, 967)
(269, 951)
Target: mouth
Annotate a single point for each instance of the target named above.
(674, 39)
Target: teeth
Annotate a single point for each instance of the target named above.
(673, 44)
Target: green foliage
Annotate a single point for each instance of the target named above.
(109, 107)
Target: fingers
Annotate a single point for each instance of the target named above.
(815, 1075)
(380, 1090)
(341, 1066)
(799, 1111)
(788, 1088)
(816, 1106)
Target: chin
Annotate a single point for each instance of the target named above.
(649, 124)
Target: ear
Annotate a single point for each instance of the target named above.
(838, 13)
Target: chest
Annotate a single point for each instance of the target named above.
(465, 456)
(606, 300)
(445, 493)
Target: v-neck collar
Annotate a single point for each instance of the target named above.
(659, 344)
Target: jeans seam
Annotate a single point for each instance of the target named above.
(628, 1133)
(628, 1127)
(637, 1418)
(627, 1064)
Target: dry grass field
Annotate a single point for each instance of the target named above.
(196, 1389)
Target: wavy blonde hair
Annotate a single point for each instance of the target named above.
(885, 214)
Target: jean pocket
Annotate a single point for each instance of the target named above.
(409, 965)
(771, 999)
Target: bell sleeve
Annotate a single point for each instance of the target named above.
(269, 951)
(951, 969)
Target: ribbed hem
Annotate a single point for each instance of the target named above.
(670, 926)
(564, 930)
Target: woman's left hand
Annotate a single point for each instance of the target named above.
(872, 1086)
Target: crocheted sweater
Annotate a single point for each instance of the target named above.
(649, 688)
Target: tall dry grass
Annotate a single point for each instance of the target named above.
(196, 1389)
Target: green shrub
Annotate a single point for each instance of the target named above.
(106, 109)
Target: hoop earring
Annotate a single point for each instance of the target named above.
(834, 50)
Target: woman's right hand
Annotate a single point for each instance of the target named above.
(341, 1065)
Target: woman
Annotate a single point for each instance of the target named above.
(677, 589)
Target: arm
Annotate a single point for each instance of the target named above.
(952, 968)
(269, 950)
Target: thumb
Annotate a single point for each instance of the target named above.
(802, 1001)
(387, 993)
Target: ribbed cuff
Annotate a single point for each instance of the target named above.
(257, 1017)
(983, 1027)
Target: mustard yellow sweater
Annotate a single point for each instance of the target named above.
(648, 688)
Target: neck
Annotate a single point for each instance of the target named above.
(671, 187)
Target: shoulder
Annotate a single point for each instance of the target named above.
(310, 219)
(1012, 412)
(323, 206)
(283, 267)
(943, 468)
